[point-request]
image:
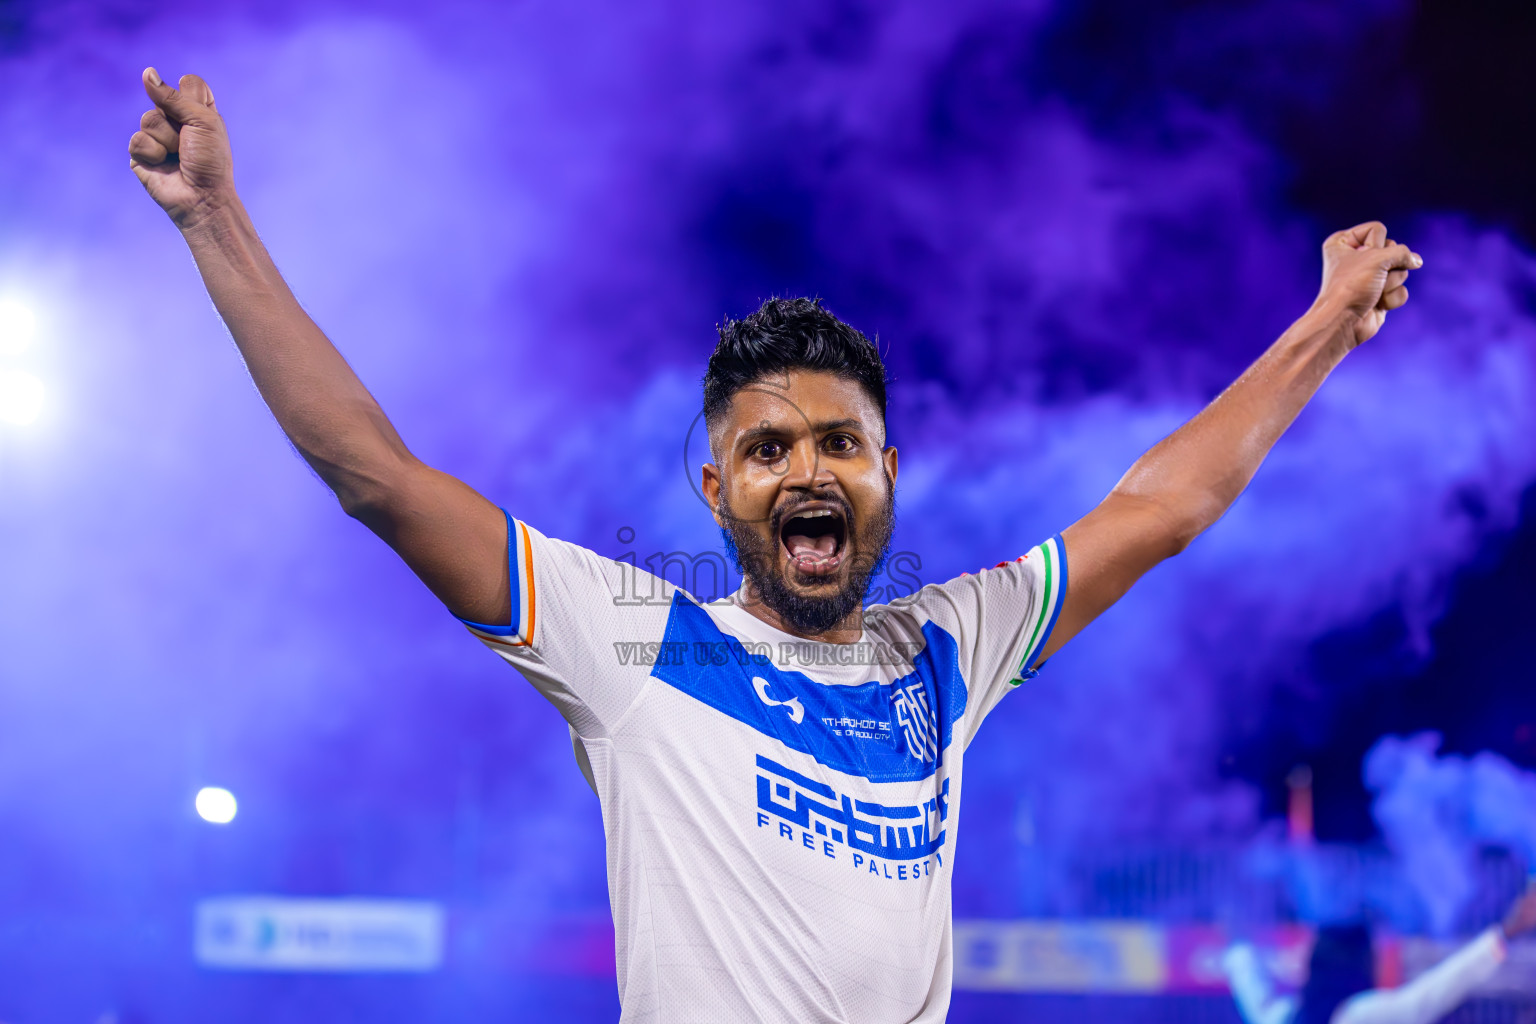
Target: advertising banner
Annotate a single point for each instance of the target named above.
(274, 933)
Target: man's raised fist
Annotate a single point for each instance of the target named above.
(181, 151)
(1363, 276)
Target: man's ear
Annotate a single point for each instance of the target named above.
(889, 455)
(711, 487)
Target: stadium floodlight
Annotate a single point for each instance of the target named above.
(216, 805)
(17, 327)
(21, 397)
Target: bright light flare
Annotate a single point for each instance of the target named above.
(21, 397)
(216, 805)
(18, 325)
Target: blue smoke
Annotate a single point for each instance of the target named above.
(1439, 812)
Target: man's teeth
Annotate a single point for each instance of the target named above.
(814, 515)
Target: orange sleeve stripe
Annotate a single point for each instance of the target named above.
(528, 569)
(488, 638)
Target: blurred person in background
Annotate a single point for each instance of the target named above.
(779, 772)
(1341, 977)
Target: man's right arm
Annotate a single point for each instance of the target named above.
(1442, 988)
(450, 536)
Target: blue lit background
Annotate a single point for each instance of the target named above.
(1069, 225)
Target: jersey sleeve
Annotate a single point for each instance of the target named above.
(1252, 988)
(1433, 994)
(574, 615)
(1000, 619)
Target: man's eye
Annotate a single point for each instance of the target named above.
(840, 443)
(770, 450)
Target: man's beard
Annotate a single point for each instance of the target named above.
(757, 559)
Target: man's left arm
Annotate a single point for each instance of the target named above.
(1188, 481)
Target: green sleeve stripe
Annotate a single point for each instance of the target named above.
(1047, 601)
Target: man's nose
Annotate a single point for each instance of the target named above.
(806, 469)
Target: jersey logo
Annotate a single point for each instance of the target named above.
(880, 830)
(796, 709)
(917, 721)
(894, 731)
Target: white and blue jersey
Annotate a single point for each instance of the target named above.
(781, 814)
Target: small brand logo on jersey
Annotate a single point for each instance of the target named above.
(796, 711)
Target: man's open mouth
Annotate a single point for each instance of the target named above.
(816, 538)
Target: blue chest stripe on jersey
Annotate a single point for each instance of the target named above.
(884, 732)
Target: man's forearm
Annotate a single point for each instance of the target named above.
(316, 397)
(1193, 476)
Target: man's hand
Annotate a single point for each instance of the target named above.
(1363, 275)
(1522, 916)
(181, 151)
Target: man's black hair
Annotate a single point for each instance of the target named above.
(784, 335)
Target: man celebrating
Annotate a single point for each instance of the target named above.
(779, 772)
